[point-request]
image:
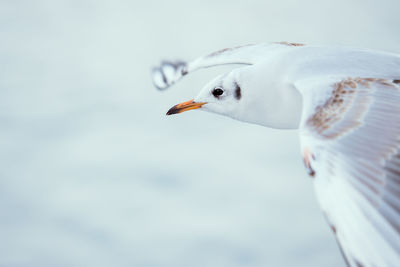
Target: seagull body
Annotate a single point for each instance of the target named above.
(346, 104)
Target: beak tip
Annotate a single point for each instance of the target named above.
(172, 111)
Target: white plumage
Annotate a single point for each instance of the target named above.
(346, 104)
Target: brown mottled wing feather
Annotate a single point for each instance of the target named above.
(352, 129)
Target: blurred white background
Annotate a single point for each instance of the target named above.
(94, 174)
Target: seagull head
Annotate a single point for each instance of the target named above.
(247, 94)
(223, 95)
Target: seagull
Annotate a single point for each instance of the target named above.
(345, 103)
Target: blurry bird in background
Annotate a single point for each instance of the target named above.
(346, 104)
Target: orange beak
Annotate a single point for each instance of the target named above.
(185, 106)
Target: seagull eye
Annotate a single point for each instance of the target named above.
(217, 92)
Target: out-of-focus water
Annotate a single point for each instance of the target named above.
(94, 174)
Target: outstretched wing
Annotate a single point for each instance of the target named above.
(169, 72)
(350, 137)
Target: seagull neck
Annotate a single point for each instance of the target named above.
(290, 109)
(284, 109)
(278, 109)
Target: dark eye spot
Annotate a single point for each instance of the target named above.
(217, 92)
(238, 92)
